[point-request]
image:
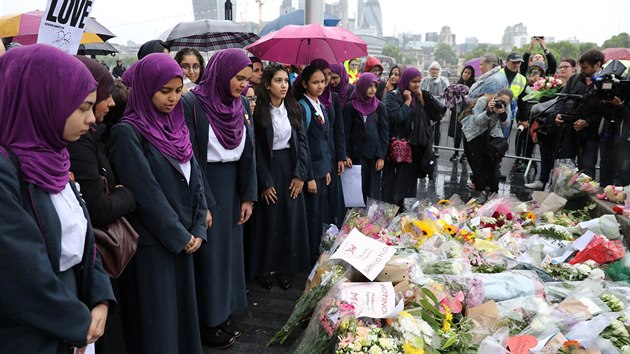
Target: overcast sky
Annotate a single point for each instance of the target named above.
(142, 20)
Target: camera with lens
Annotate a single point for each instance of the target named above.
(572, 106)
(498, 104)
(608, 82)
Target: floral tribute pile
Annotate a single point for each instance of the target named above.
(503, 277)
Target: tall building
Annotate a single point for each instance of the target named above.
(369, 18)
(514, 36)
(286, 7)
(212, 9)
(431, 37)
(446, 36)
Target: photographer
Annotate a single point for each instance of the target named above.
(579, 114)
(614, 165)
(480, 127)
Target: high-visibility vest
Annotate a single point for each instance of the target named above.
(518, 85)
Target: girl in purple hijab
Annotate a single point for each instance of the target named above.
(217, 114)
(151, 154)
(367, 134)
(340, 82)
(55, 294)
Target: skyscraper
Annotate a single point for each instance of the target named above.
(212, 9)
(369, 18)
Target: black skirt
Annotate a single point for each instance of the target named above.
(281, 242)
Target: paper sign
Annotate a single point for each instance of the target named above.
(521, 344)
(475, 221)
(374, 300)
(352, 187)
(62, 24)
(589, 224)
(365, 254)
(583, 240)
(562, 258)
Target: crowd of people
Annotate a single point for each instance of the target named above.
(229, 170)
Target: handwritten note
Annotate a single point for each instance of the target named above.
(365, 254)
(374, 300)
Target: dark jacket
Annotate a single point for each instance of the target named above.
(199, 126)
(552, 64)
(89, 165)
(38, 313)
(338, 141)
(318, 143)
(590, 106)
(368, 140)
(298, 145)
(169, 210)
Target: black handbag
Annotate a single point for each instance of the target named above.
(496, 147)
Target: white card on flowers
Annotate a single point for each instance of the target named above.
(374, 300)
(365, 254)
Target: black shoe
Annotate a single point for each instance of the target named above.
(215, 338)
(454, 157)
(266, 280)
(230, 328)
(462, 159)
(483, 198)
(503, 178)
(284, 282)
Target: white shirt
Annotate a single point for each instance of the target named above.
(216, 151)
(281, 127)
(73, 227)
(318, 108)
(186, 169)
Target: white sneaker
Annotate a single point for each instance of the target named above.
(538, 185)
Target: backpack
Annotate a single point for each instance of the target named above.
(307, 109)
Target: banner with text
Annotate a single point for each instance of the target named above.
(63, 22)
(374, 300)
(365, 254)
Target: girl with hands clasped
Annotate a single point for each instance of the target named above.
(367, 134)
(308, 88)
(216, 115)
(55, 295)
(151, 154)
(281, 242)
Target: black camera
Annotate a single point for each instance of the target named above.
(498, 104)
(608, 83)
(572, 106)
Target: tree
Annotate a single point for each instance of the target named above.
(564, 49)
(444, 54)
(484, 49)
(393, 52)
(622, 40)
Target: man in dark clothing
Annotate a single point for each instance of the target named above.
(579, 131)
(119, 69)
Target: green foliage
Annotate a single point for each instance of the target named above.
(484, 49)
(585, 47)
(393, 52)
(444, 54)
(622, 40)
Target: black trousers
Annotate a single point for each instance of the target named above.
(486, 172)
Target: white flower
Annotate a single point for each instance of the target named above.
(583, 269)
(597, 274)
(458, 268)
(375, 350)
(591, 263)
(386, 343)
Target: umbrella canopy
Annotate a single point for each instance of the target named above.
(295, 18)
(97, 49)
(301, 44)
(475, 64)
(207, 35)
(25, 27)
(616, 53)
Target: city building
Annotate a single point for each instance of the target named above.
(431, 37)
(446, 36)
(369, 19)
(514, 36)
(212, 9)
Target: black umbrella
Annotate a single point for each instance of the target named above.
(207, 35)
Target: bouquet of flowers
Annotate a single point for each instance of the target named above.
(565, 271)
(544, 87)
(357, 336)
(320, 335)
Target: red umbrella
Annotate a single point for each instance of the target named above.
(616, 53)
(301, 44)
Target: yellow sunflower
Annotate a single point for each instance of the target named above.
(531, 216)
(408, 348)
(444, 202)
(450, 229)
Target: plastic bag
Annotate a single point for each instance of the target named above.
(619, 270)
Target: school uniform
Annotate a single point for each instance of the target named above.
(336, 204)
(367, 140)
(170, 208)
(44, 308)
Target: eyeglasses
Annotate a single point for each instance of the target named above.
(187, 67)
(252, 98)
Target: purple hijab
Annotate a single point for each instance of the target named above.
(403, 84)
(101, 75)
(224, 111)
(166, 131)
(360, 100)
(344, 84)
(34, 115)
(326, 98)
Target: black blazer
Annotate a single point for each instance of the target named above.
(338, 141)
(368, 140)
(199, 126)
(89, 164)
(37, 311)
(318, 136)
(169, 210)
(298, 146)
